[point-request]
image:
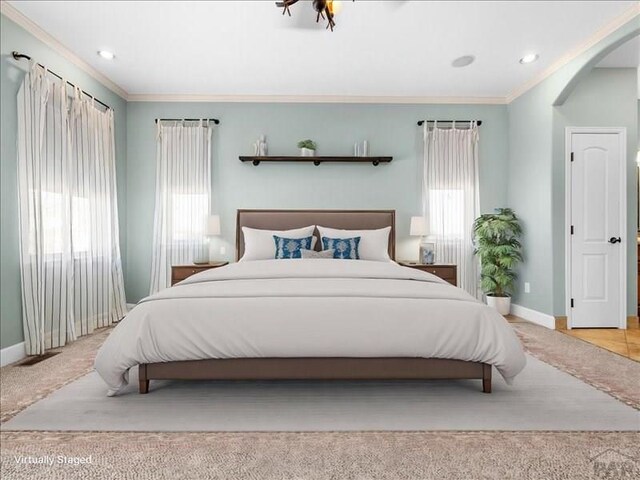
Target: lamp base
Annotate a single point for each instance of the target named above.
(212, 252)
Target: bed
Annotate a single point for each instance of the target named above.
(310, 320)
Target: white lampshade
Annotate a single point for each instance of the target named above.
(213, 226)
(418, 227)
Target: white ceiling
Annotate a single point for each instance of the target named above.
(626, 55)
(392, 48)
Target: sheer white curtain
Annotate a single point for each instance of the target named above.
(450, 197)
(99, 298)
(71, 274)
(183, 197)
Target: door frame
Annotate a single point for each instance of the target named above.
(622, 139)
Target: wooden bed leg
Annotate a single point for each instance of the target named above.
(143, 381)
(486, 378)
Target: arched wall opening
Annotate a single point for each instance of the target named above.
(537, 121)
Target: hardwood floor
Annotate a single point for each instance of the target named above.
(622, 342)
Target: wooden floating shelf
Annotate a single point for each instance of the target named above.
(318, 160)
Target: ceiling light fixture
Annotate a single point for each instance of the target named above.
(324, 8)
(106, 54)
(529, 58)
(463, 61)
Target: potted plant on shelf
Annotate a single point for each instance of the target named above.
(307, 148)
(498, 246)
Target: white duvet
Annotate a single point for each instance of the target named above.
(309, 308)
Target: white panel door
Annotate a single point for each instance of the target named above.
(596, 221)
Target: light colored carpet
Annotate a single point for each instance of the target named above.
(608, 372)
(326, 456)
(23, 386)
(542, 398)
(612, 373)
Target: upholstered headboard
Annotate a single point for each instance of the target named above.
(342, 219)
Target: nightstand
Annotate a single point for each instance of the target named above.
(180, 272)
(448, 271)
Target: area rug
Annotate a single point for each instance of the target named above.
(326, 455)
(322, 456)
(23, 386)
(614, 374)
(541, 398)
(608, 372)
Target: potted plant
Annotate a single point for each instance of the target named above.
(498, 246)
(307, 148)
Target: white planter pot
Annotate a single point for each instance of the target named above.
(307, 152)
(501, 304)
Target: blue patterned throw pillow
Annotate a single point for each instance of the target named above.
(343, 248)
(290, 247)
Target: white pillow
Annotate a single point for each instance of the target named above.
(374, 244)
(259, 244)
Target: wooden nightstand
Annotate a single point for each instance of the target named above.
(448, 272)
(180, 272)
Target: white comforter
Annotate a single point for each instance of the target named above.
(309, 308)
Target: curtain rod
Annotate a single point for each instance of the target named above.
(214, 120)
(478, 122)
(18, 56)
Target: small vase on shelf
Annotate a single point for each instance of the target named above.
(365, 149)
(263, 148)
(307, 152)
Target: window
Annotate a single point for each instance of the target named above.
(446, 213)
(183, 197)
(189, 213)
(81, 224)
(53, 218)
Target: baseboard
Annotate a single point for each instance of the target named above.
(539, 318)
(12, 354)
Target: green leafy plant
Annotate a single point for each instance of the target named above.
(310, 144)
(498, 246)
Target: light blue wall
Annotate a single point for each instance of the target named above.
(535, 186)
(606, 97)
(13, 37)
(391, 130)
(529, 193)
(519, 161)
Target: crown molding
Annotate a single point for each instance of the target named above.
(314, 99)
(598, 36)
(16, 16)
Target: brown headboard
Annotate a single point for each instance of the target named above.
(342, 219)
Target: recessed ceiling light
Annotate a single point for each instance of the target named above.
(106, 54)
(463, 61)
(529, 58)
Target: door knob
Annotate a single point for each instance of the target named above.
(615, 240)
